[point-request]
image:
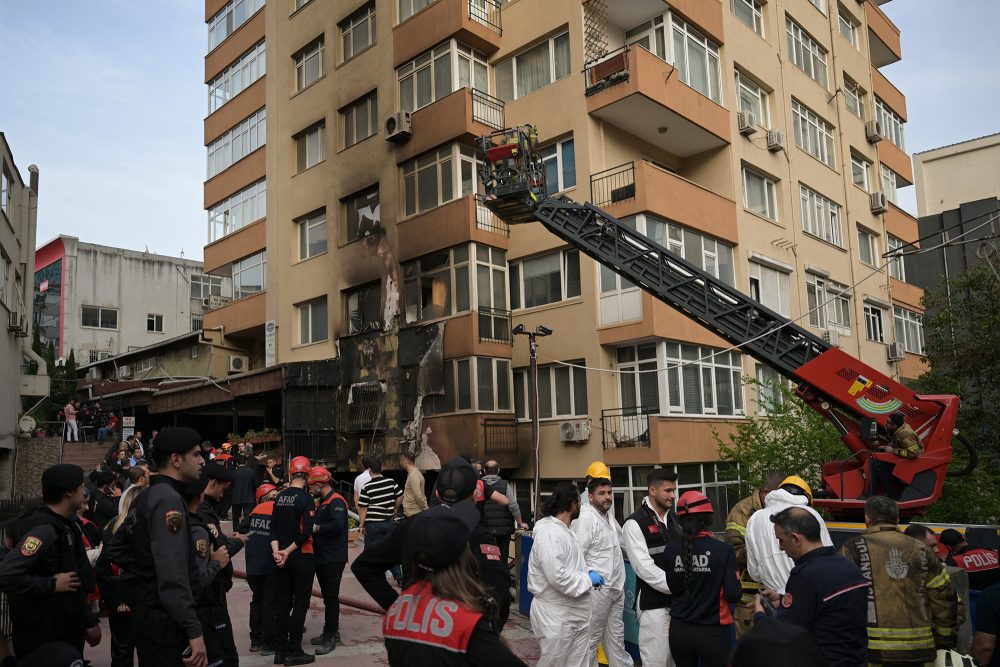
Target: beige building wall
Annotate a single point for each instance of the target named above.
(950, 176)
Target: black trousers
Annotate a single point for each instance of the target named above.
(218, 634)
(329, 576)
(122, 646)
(239, 511)
(882, 481)
(690, 643)
(295, 582)
(265, 591)
(159, 641)
(225, 503)
(30, 632)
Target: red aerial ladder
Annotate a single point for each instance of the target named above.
(854, 397)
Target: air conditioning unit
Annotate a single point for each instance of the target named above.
(831, 337)
(895, 352)
(775, 140)
(873, 131)
(124, 371)
(747, 122)
(397, 127)
(878, 202)
(238, 363)
(574, 431)
(15, 322)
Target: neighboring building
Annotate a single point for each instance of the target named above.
(960, 232)
(953, 175)
(341, 243)
(18, 212)
(101, 301)
(196, 355)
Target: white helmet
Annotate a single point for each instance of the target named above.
(952, 658)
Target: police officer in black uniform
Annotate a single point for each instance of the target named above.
(47, 575)
(219, 480)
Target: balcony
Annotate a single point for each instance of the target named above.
(888, 93)
(458, 221)
(494, 325)
(234, 246)
(633, 89)
(898, 160)
(901, 224)
(499, 436)
(239, 317)
(883, 37)
(636, 187)
(626, 427)
(362, 410)
(707, 16)
(668, 440)
(473, 22)
(461, 115)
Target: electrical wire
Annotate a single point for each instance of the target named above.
(944, 244)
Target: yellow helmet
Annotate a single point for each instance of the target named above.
(597, 470)
(795, 480)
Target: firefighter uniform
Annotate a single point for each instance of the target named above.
(736, 537)
(905, 442)
(261, 571)
(912, 606)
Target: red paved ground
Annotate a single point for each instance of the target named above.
(360, 630)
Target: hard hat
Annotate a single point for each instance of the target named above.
(226, 446)
(263, 490)
(795, 480)
(693, 502)
(597, 470)
(952, 658)
(299, 465)
(319, 475)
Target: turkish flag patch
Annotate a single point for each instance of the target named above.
(653, 529)
(491, 551)
(786, 600)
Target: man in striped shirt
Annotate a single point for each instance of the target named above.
(378, 502)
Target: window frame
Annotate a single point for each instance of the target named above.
(686, 353)
(756, 9)
(681, 29)
(874, 322)
(820, 5)
(306, 224)
(301, 60)
(349, 116)
(782, 282)
(770, 192)
(460, 260)
(231, 19)
(846, 20)
(462, 167)
(559, 150)
(101, 310)
(252, 199)
(306, 308)
(897, 268)
(452, 59)
(809, 129)
(762, 109)
(6, 190)
(868, 244)
(908, 326)
(806, 53)
(302, 146)
(556, 73)
(205, 281)
(154, 323)
(821, 217)
(576, 390)
(246, 264)
(680, 239)
(348, 26)
(887, 179)
(515, 273)
(237, 142)
(861, 166)
(359, 293)
(240, 75)
(853, 92)
(374, 209)
(828, 304)
(413, 8)
(893, 125)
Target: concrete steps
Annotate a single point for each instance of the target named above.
(87, 455)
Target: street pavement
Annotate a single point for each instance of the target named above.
(361, 630)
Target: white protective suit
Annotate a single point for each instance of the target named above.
(654, 624)
(766, 562)
(599, 536)
(560, 610)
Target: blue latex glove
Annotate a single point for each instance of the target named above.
(596, 578)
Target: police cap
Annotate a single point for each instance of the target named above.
(63, 476)
(195, 488)
(951, 537)
(217, 471)
(436, 541)
(177, 440)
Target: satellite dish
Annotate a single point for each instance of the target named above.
(27, 424)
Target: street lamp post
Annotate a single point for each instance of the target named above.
(540, 330)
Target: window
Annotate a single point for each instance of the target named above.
(312, 235)
(752, 97)
(437, 285)
(892, 124)
(750, 12)
(197, 324)
(408, 8)
(759, 194)
(770, 287)
(711, 386)
(812, 134)
(696, 60)
(435, 74)
(229, 19)
(360, 119)
(638, 383)
(237, 143)
(650, 36)
(888, 178)
(431, 179)
(718, 481)
(363, 214)
(491, 293)
(820, 216)
(473, 383)
(154, 323)
(313, 321)
(769, 383)
(6, 295)
(829, 303)
(861, 172)
(806, 53)
(849, 28)
(100, 318)
(562, 391)
(250, 275)
(5, 190)
(244, 207)
(145, 364)
(97, 355)
(559, 161)
(363, 308)
(545, 279)
(897, 269)
(537, 67)
(492, 384)
(203, 286)
(299, 4)
(875, 323)
(621, 300)
(854, 97)
(236, 78)
(819, 4)
(308, 64)
(868, 246)
(310, 146)
(708, 254)
(358, 31)
(909, 329)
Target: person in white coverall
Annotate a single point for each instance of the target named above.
(645, 536)
(599, 535)
(561, 584)
(766, 562)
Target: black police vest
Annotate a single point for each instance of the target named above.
(498, 518)
(213, 594)
(68, 555)
(657, 535)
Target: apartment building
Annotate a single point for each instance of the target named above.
(758, 140)
(950, 176)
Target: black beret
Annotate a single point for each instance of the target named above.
(177, 440)
(196, 487)
(64, 476)
(217, 471)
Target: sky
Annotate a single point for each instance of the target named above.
(107, 98)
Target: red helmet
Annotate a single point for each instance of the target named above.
(693, 502)
(319, 475)
(299, 465)
(264, 489)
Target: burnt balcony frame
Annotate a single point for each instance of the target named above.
(631, 420)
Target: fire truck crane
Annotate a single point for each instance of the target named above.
(854, 397)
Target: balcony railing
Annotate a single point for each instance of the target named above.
(488, 221)
(608, 70)
(487, 110)
(361, 409)
(626, 427)
(613, 185)
(499, 436)
(488, 13)
(494, 325)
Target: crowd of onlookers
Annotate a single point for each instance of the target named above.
(80, 420)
